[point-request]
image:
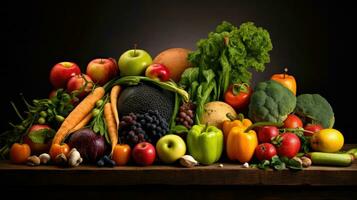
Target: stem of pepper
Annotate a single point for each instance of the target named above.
(295, 129)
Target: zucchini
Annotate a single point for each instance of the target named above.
(333, 159)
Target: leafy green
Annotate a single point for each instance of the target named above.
(279, 163)
(227, 55)
(40, 136)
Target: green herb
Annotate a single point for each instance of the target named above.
(42, 111)
(279, 163)
(98, 124)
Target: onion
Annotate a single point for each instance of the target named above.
(90, 145)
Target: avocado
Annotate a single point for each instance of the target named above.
(144, 97)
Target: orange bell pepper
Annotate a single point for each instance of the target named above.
(286, 80)
(229, 124)
(241, 145)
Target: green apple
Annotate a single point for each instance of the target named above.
(134, 62)
(170, 148)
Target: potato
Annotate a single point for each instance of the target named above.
(175, 59)
(215, 113)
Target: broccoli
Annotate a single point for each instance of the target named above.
(271, 102)
(313, 108)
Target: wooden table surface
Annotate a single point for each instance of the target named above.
(229, 174)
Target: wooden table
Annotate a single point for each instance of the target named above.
(232, 178)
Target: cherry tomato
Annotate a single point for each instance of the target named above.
(37, 148)
(121, 154)
(265, 151)
(238, 95)
(293, 121)
(57, 149)
(19, 153)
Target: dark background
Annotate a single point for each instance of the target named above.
(310, 37)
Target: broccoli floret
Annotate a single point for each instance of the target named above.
(314, 109)
(271, 102)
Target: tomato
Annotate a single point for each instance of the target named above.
(293, 121)
(19, 153)
(265, 151)
(121, 154)
(37, 148)
(57, 149)
(312, 128)
(238, 95)
(289, 145)
(266, 133)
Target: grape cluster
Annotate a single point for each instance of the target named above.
(186, 114)
(147, 127)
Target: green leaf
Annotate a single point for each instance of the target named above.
(179, 129)
(264, 164)
(40, 136)
(294, 164)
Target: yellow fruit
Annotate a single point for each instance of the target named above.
(327, 140)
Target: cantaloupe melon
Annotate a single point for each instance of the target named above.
(175, 59)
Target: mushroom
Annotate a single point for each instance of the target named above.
(74, 158)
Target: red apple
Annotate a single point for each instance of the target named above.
(62, 72)
(144, 154)
(37, 148)
(158, 71)
(312, 128)
(101, 70)
(77, 83)
(266, 133)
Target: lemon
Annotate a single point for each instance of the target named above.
(327, 140)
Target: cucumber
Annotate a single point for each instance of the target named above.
(353, 152)
(333, 159)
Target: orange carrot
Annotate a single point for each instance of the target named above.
(77, 114)
(114, 93)
(110, 121)
(82, 123)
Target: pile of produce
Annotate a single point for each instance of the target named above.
(181, 107)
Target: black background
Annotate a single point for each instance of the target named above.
(312, 38)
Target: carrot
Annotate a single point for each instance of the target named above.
(110, 121)
(82, 123)
(77, 114)
(114, 93)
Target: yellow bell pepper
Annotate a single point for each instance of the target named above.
(240, 144)
(229, 124)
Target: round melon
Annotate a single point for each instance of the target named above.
(175, 59)
(144, 97)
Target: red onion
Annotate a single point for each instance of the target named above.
(90, 145)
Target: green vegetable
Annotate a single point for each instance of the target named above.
(271, 102)
(50, 111)
(314, 109)
(205, 143)
(278, 163)
(334, 159)
(225, 57)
